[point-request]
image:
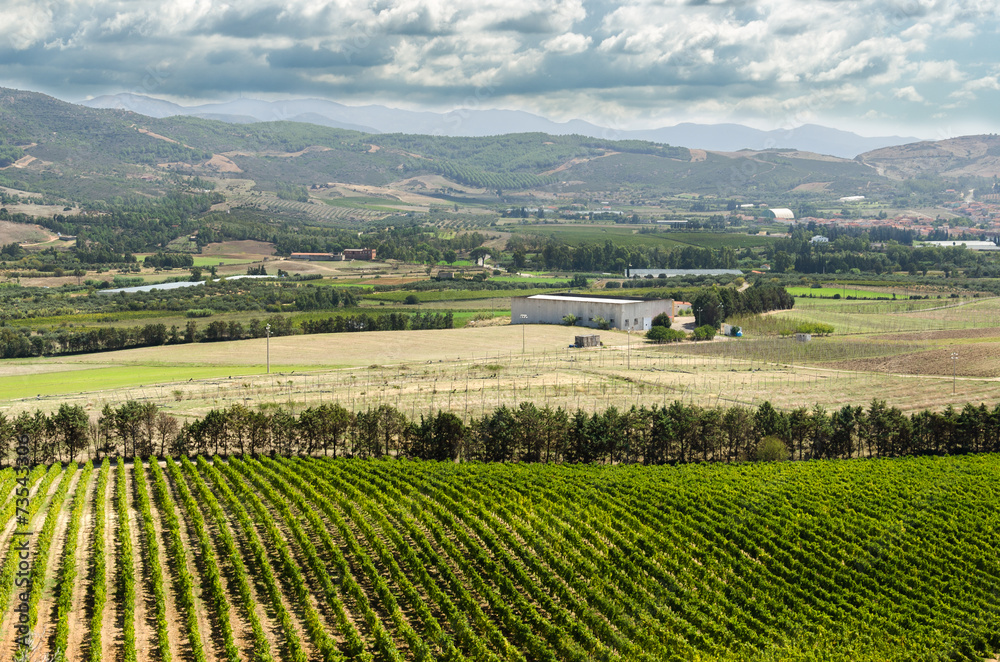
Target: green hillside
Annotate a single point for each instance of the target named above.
(118, 151)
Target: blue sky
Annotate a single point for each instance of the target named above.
(912, 67)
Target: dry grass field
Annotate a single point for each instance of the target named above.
(472, 370)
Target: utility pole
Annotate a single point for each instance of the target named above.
(523, 324)
(268, 329)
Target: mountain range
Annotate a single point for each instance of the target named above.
(471, 122)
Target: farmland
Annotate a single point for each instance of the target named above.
(319, 559)
(916, 355)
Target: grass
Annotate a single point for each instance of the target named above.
(372, 204)
(101, 378)
(212, 261)
(830, 292)
(629, 235)
(899, 351)
(528, 279)
(451, 295)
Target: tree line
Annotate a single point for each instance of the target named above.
(668, 434)
(19, 343)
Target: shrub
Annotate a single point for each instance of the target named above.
(612, 285)
(663, 320)
(815, 328)
(661, 334)
(772, 449)
(569, 320)
(703, 332)
(200, 312)
(411, 300)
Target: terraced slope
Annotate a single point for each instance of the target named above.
(313, 559)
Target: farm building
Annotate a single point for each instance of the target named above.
(311, 256)
(970, 245)
(618, 312)
(781, 214)
(359, 253)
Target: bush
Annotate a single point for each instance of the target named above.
(411, 300)
(815, 328)
(612, 285)
(569, 320)
(200, 312)
(661, 334)
(703, 332)
(663, 319)
(772, 449)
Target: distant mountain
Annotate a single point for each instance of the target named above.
(465, 122)
(954, 157)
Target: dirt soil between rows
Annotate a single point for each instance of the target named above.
(980, 360)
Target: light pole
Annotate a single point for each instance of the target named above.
(268, 329)
(697, 317)
(523, 323)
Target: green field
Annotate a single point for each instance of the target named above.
(451, 295)
(853, 561)
(527, 279)
(830, 291)
(629, 235)
(80, 378)
(369, 203)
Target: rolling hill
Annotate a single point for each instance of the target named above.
(473, 122)
(81, 154)
(976, 156)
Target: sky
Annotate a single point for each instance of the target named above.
(914, 67)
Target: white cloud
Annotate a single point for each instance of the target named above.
(932, 70)
(908, 93)
(568, 43)
(766, 58)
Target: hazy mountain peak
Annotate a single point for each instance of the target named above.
(727, 137)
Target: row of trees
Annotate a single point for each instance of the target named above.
(674, 433)
(19, 343)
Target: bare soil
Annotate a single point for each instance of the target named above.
(973, 360)
(145, 611)
(46, 604)
(112, 636)
(78, 617)
(221, 163)
(239, 249)
(7, 648)
(18, 233)
(176, 638)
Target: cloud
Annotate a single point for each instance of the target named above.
(728, 59)
(567, 44)
(908, 93)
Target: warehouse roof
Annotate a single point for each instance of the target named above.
(584, 299)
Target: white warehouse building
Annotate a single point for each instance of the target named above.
(622, 313)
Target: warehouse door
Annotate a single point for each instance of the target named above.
(647, 323)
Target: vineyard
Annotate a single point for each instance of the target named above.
(317, 559)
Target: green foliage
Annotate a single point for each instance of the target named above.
(704, 332)
(662, 334)
(663, 319)
(814, 328)
(772, 449)
(570, 320)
